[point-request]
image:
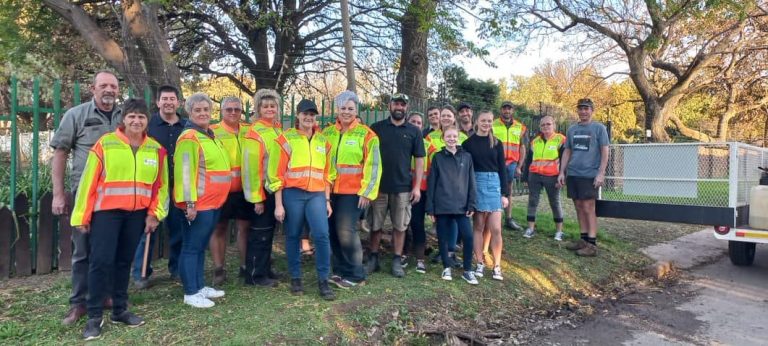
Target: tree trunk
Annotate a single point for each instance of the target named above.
(414, 63)
(349, 60)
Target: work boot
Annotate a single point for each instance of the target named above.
(577, 245)
(141, 284)
(397, 267)
(590, 250)
(219, 276)
(297, 288)
(373, 263)
(325, 291)
(74, 314)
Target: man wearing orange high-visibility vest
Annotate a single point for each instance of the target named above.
(547, 150)
(230, 132)
(512, 134)
(123, 193)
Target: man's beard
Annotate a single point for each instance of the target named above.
(108, 100)
(397, 115)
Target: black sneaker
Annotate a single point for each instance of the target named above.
(325, 291)
(513, 225)
(274, 274)
(262, 282)
(127, 318)
(340, 282)
(373, 263)
(93, 329)
(297, 288)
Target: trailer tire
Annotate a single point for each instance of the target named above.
(741, 253)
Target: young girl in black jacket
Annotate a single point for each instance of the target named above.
(451, 200)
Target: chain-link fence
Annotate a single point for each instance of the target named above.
(695, 174)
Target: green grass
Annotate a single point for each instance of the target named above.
(539, 274)
(709, 193)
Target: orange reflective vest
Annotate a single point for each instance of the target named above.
(231, 138)
(355, 160)
(546, 154)
(116, 177)
(511, 137)
(430, 150)
(303, 163)
(201, 170)
(256, 144)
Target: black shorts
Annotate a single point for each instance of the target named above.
(267, 218)
(581, 188)
(236, 207)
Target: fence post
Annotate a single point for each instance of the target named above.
(14, 138)
(56, 104)
(35, 166)
(76, 94)
(322, 113)
(148, 96)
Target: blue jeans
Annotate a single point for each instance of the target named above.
(300, 207)
(174, 225)
(194, 242)
(511, 174)
(447, 225)
(345, 240)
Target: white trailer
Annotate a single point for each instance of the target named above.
(695, 183)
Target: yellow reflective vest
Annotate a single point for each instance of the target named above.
(546, 154)
(201, 170)
(436, 137)
(303, 163)
(116, 177)
(231, 138)
(259, 139)
(511, 137)
(356, 161)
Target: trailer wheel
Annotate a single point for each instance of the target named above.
(741, 253)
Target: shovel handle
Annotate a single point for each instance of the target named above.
(146, 257)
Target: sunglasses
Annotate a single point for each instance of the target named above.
(233, 110)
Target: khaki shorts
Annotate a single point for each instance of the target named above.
(399, 207)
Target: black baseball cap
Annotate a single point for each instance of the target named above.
(399, 97)
(305, 106)
(463, 105)
(507, 104)
(586, 103)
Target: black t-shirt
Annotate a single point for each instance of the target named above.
(398, 145)
(487, 159)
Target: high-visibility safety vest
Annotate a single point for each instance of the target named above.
(430, 150)
(355, 160)
(256, 145)
(116, 177)
(303, 163)
(201, 170)
(511, 137)
(230, 138)
(436, 137)
(546, 154)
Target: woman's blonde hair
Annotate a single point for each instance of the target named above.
(260, 96)
(491, 138)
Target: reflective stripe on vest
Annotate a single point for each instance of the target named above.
(208, 161)
(510, 137)
(231, 138)
(307, 160)
(546, 155)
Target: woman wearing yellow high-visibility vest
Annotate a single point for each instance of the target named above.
(355, 173)
(301, 181)
(123, 193)
(447, 118)
(258, 142)
(230, 132)
(547, 150)
(202, 179)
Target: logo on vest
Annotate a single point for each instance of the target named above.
(150, 162)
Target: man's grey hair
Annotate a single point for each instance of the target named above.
(93, 81)
(231, 99)
(344, 97)
(197, 98)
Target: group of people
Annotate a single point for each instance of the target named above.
(132, 170)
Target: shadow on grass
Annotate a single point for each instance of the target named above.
(539, 275)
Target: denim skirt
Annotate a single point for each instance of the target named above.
(488, 191)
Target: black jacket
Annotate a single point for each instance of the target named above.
(451, 183)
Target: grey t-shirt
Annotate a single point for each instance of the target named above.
(80, 128)
(585, 141)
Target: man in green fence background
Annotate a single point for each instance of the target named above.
(81, 126)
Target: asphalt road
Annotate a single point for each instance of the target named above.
(716, 303)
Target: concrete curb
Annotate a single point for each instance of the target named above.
(684, 253)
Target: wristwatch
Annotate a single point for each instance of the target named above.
(190, 205)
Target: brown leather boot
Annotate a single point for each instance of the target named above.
(74, 314)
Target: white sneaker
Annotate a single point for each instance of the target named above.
(559, 236)
(198, 300)
(447, 274)
(497, 273)
(528, 233)
(210, 292)
(479, 268)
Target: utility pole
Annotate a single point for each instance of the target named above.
(347, 28)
